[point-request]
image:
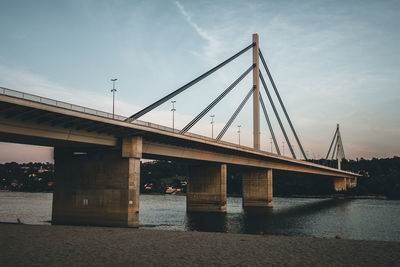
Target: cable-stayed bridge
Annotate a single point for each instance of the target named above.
(97, 155)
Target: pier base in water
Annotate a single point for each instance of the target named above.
(206, 189)
(340, 184)
(257, 188)
(96, 187)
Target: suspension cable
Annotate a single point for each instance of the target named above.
(269, 125)
(341, 146)
(330, 147)
(342, 156)
(234, 115)
(186, 86)
(283, 107)
(277, 115)
(216, 101)
(334, 149)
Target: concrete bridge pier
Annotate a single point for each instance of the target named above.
(206, 188)
(98, 187)
(257, 188)
(351, 182)
(340, 184)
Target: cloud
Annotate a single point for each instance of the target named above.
(213, 45)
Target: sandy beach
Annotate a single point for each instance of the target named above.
(43, 245)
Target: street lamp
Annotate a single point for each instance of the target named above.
(113, 91)
(239, 132)
(173, 114)
(212, 126)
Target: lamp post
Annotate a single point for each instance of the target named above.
(113, 91)
(212, 126)
(239, 132)
(173, 114)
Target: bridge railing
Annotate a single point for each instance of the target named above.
(61, 104)
(91, 111)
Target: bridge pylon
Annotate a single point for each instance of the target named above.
(338, 151)
(256, 93)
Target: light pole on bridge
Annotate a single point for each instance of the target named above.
(212, 126)
(113, 91)
(173, 114)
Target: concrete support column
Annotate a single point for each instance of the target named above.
(353, 182)
(340, 184)
(98, 187)
(348, 183)
(257, 188)
(206, 188)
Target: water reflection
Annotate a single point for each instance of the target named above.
(206, 221)
(285, 220)
(253, 220)
(353, 219)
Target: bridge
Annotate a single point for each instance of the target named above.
(97, 156)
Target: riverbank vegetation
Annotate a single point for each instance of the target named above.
(380, 177)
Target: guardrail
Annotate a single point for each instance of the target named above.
(91, 111)
(61, 104)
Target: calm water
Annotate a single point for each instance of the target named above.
(352, 219)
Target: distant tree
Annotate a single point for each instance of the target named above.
(379, 177)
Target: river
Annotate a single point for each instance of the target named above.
(362, 219)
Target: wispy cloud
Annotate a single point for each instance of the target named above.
(213, 45)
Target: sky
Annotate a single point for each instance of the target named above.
(332, 61)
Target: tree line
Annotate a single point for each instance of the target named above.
(379, 177)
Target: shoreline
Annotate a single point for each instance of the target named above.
(42, 245)
(339, 196)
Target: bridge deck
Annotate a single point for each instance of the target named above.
(30, 119)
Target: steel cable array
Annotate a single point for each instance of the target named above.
(276, 114)
(283, 107)
(229, 123)
(330, 147)
(186, 86)
(269, 124)
(216, 101)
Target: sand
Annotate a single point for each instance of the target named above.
(44, 245)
